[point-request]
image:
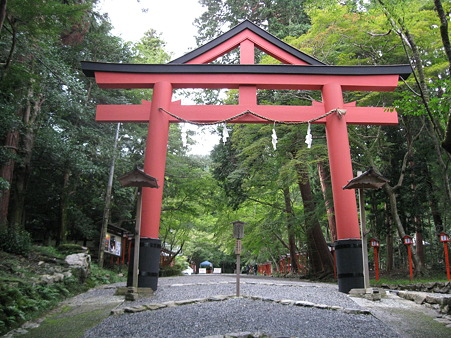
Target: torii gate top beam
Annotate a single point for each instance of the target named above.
(311, 77)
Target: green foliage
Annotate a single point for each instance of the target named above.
(150, 49)
(4, 184)
(21, 299)
(279, 17)
(15, 241)
(68, 249)
(100, 276)
(167, 271)
(396, 280)
(48, 251)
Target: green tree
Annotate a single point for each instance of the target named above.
(30, 35)
(280, 17)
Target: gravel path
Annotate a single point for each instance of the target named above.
(268, 307)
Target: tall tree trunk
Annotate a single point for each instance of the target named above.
(7, 172)
(397, 220)
(399, 25)
(391, 190)
(328, 204)
(389, 243)
(64, 225)
(443, 165)
(106, 210)
(319, 253)
(289, 212)
(29, 114)
(3, 4)
(419, 241)
(444, 33)
(436, 215)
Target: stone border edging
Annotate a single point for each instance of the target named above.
(441, 302)
(302, 303)
(434, 287)
(250, 283)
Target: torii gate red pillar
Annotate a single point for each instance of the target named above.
(350, 273)
(155, 158)
(154, 162)
(340, 165)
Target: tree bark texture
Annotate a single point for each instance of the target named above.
(29, 113)
(64, 225)
(289, 212)
(397, 220)
(444, 30)
(7, 173)
(108, 195)
(389, 242)
(320, 256)
(327, 202)
(3, 4)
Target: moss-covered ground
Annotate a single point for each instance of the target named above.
(23, 297)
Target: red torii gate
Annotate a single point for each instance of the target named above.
(298, 71)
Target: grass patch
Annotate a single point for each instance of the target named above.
(430, 278)
(48, 251)
(70, 324)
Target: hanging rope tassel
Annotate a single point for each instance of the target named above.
(308, 137)
(225, 134)
(274, 137)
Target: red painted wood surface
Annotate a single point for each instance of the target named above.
(409, 257)
(202, 113)
(376, 262)
(111, 80)
(445, 249)
(155, 159)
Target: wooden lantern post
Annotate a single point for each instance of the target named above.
(375, 244)
(407, 241)
(138, 178)
(444, 238)
(367, 180)
(238, 233)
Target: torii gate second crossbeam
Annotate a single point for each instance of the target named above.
(301, 73)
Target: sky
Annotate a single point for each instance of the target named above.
(174, 20)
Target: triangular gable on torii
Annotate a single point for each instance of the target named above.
(247, 33)
(298, 72)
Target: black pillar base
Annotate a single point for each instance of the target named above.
(149, 263)
(348, 254)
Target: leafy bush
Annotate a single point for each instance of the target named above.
(23, 301)
(14, 241)
(176, 270)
